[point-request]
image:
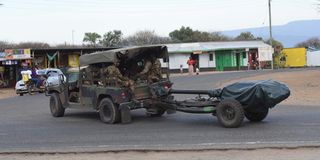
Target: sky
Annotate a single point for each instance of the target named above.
(66, 21)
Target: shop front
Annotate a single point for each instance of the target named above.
(11, 62)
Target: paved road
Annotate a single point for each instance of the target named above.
(26, 125)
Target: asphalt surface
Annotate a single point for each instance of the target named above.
(26, 125)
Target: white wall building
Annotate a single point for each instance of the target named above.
(313, 58)
(232, 55)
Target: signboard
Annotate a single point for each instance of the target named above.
(14, 54)
(73, 60)
(265, 53)
(197, 52)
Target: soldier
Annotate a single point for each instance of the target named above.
(155, 72)
(113, 71)
(146, 69)
(151, 70)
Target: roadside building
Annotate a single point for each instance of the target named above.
(221, 56)
(293, 57)
(60, 57)
(12, 60)
(313, 58)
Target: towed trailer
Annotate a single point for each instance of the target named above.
(93, 89)
(230, 104)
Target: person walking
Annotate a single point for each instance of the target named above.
(181, 69)
(190, 63)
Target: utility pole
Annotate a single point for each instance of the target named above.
(72, 37)
(270, 31)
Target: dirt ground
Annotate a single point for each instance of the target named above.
(6, 93)
(304, 85)
(260, 154)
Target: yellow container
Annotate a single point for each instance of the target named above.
(25, 77)
(294, 57)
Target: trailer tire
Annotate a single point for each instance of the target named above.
(230, 113)
(108, 111)
(56, 107)
(256, 116)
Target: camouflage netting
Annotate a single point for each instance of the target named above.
(124, 55)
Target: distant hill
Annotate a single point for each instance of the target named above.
(289, 34)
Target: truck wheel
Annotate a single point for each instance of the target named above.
(108, 111)
(256, 116)
(56, 107)
(21, 94)
(230, 113)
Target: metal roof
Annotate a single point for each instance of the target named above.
(70, 50)
(213, 46)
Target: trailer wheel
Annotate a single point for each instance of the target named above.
(256, 116)
(230, 113)
(108, 111)
(56, 107)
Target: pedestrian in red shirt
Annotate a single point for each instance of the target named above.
(190, 63)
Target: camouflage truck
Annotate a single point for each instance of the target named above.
(103, 93)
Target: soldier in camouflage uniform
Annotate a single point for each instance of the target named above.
(155, 72)
(152, 70)
(113, 72)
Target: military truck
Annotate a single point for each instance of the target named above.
(101, 92)
(95, 90)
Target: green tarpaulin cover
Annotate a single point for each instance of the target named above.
(256, 95)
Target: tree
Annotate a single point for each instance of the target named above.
(34, 45)
(275, 43)
(184, 34)
(245, 36)
(112, 39)
(5, 45)
(66, 45)
(312, 43)
(218, 36)
(92, 38)
(145, 37)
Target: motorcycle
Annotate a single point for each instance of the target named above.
(29, 86)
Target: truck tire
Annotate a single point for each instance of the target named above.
(256, 116)
(56, 107)
(108, 111)
(230, 113)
